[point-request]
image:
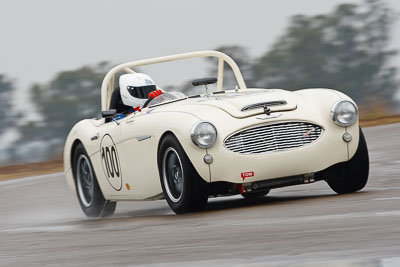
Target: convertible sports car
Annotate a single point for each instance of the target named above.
(239, 141)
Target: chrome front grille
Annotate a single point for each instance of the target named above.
(273, 137)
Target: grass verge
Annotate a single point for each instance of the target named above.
(380, 121)
(30, 169)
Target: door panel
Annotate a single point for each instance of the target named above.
(140, 148)
(109, 161)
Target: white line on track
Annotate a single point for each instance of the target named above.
(5, 185)
(240, 223)
(386, 198)
(48, 229)
(321, 258)
(388, 213)
(317, 218)
(383, 188)
(28, 179)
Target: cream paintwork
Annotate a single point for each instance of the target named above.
(137, 136)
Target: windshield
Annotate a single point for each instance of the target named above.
(177, 76)
(167, 97)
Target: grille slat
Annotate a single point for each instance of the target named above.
(273, 129)
(278, 135)
(257, 136)
(280, 143)
(273, 137)
(268, 140)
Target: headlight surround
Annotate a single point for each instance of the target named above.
(204, 134)
(344, 113)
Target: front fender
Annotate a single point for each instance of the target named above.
(158, 123)
(81, 132)
(323, 100)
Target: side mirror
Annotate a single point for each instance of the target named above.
(204, 81)
(109, 113)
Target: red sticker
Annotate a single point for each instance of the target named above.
(240, 188)
(247, 175)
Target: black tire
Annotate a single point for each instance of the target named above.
(184, 190)
(90, 197)
(353, 174)
(255, 194)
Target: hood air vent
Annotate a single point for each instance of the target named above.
(263, 104)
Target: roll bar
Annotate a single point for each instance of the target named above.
(107, 86)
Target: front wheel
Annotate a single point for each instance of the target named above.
(183, 188)
(90, 197)
(353, 174)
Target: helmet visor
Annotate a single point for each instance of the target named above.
(141, 91)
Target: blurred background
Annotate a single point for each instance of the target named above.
(54, 55)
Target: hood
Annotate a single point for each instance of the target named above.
(250, 102)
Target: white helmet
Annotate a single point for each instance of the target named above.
(135, 88)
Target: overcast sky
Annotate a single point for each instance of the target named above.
(42, 37)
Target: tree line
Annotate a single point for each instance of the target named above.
(346, 49)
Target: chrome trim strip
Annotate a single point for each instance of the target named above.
(142, 138)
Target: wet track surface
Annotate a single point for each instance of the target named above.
(42, 224)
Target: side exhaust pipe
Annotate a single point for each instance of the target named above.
(283, 182)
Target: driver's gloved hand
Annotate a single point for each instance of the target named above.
(154, 94)
(119, 116)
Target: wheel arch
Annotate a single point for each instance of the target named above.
(194, 154)
(169, 132)
(72, 151)
(79, 133)
(69, 161)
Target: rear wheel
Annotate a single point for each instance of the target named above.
(183, 188)
(353, 174)
(90, 197)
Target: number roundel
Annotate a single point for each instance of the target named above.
(110, 162)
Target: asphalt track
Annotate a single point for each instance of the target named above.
(308, 225)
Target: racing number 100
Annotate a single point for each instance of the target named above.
(109, 156)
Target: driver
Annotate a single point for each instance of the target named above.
(135, 90)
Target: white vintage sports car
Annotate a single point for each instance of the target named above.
(188, 148)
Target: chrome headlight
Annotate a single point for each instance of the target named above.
(204, 134)
(344, 113)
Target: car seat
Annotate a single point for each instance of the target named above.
(116, 102)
